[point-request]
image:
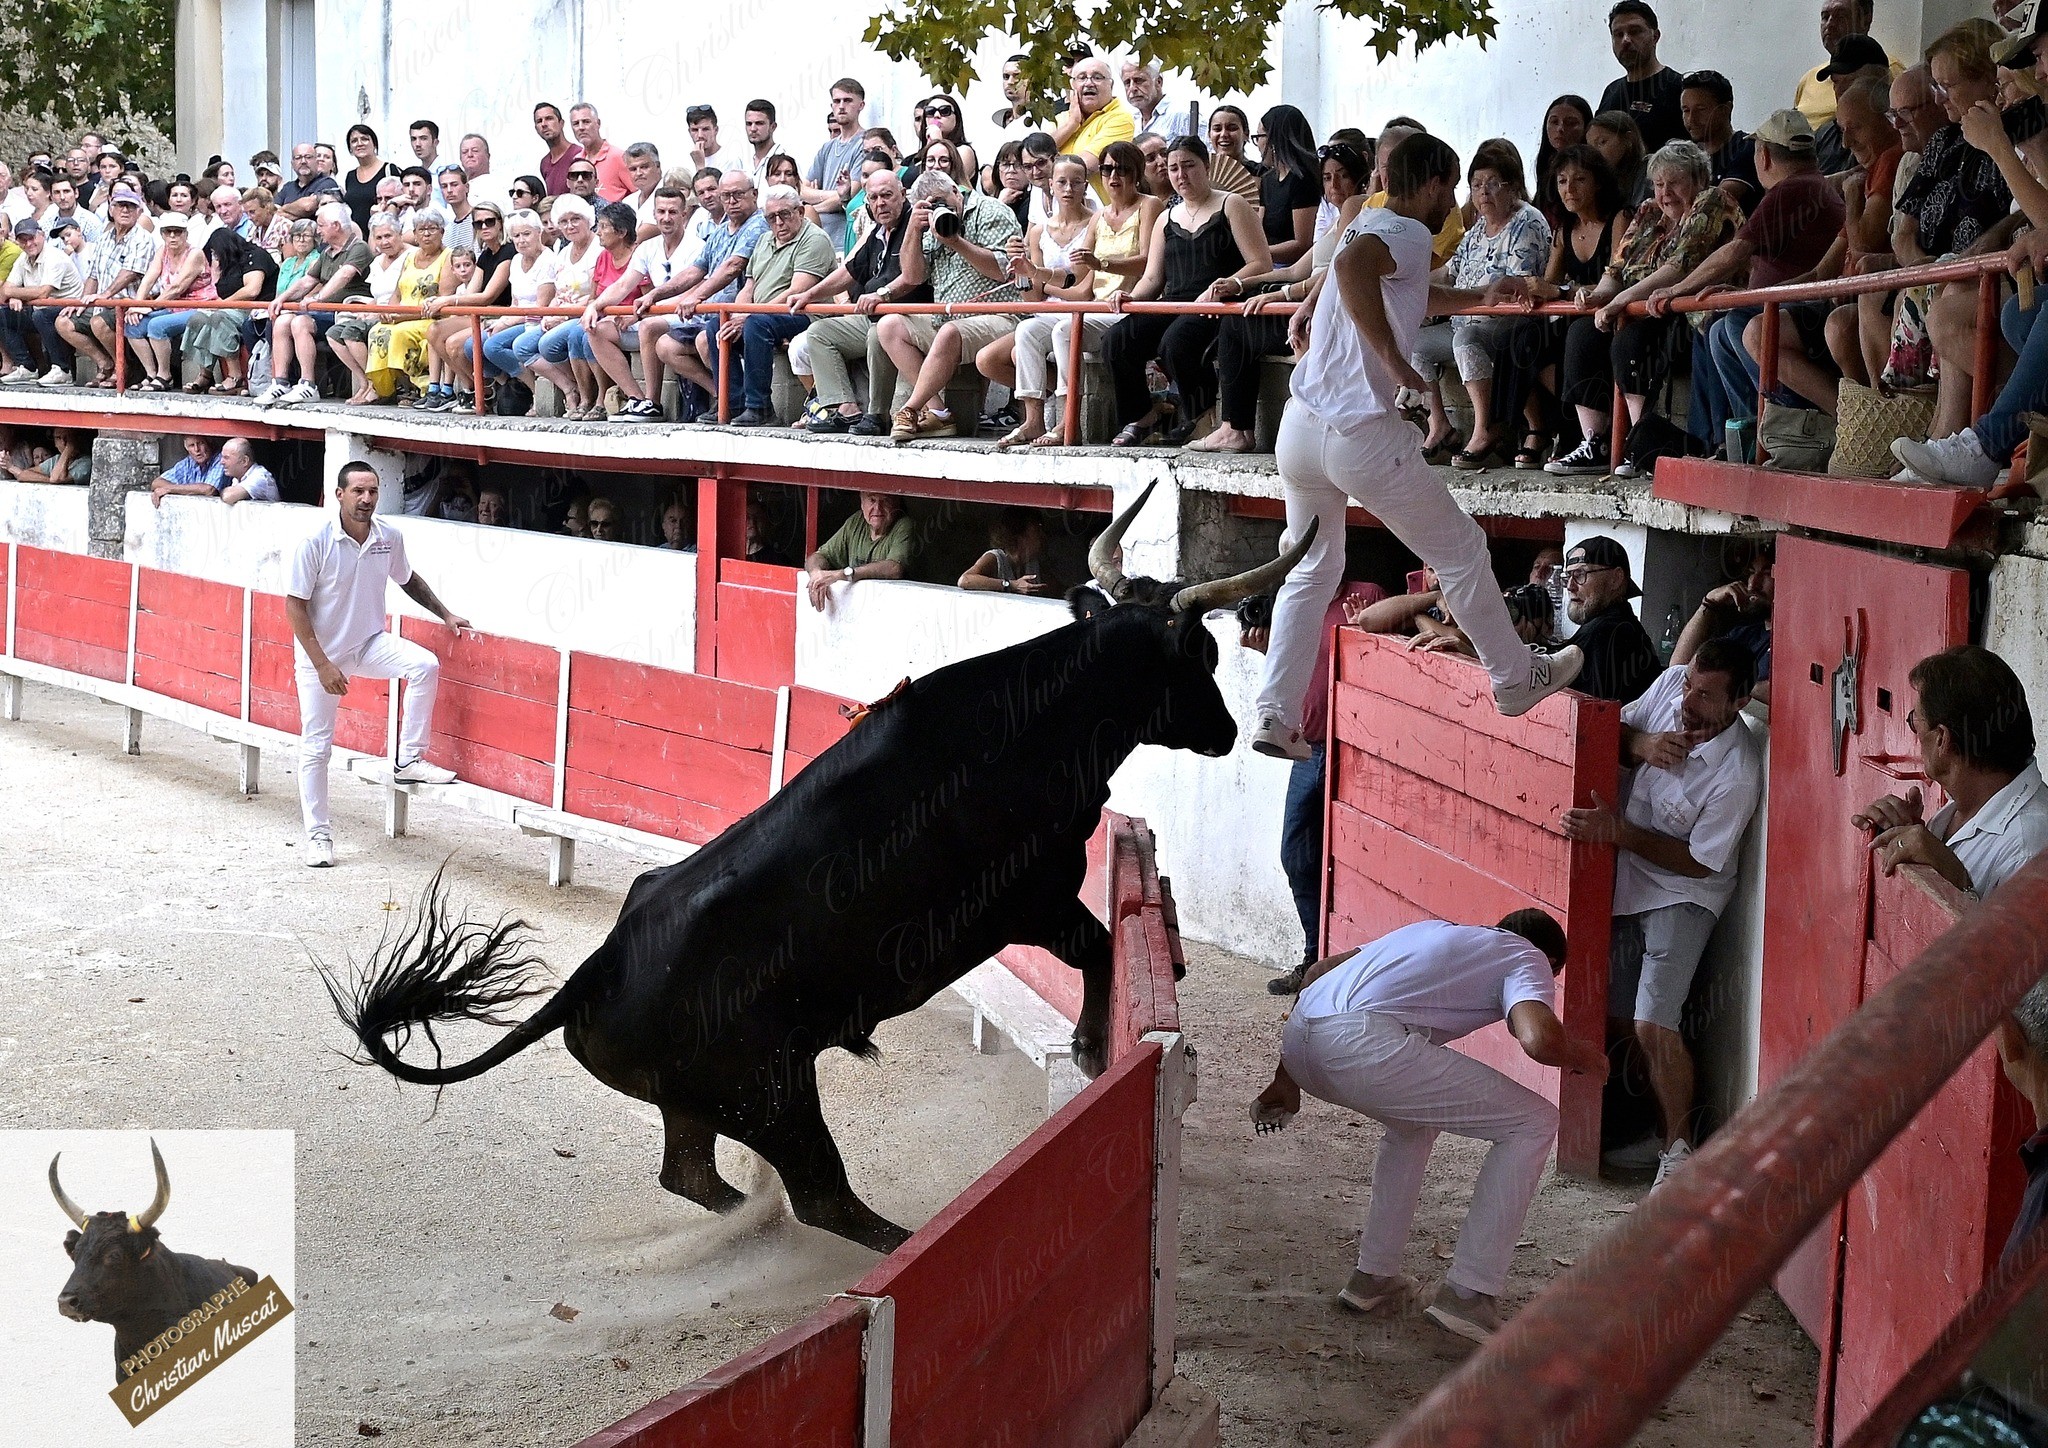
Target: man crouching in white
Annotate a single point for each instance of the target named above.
(334, 597)
(1369, 1032)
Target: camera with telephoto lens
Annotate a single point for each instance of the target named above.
(1255, 612)
(945, 222)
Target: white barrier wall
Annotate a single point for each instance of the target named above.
(43, 515)
(604, 598)
(1217, 820)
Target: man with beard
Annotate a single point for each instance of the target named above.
(1621, 661)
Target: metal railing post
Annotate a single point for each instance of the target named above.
(476, 361)
(1070, 413)
(1767, 371)
(120, 348)
(1985, 363)
(724, 377)
(1617, 428)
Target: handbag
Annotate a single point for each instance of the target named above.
(1867, 422)
(1796, 439)
(1911, 363)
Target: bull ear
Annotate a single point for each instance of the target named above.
(1086, 602)
(71, 1241)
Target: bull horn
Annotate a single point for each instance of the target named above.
(1102, 565)
(163, 1191)
(71, 1208)
(1224, 592)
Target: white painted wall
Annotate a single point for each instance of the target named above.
(2013, 629)
(605, 598)
(43, 515)
(1217, 820)
(245, 86)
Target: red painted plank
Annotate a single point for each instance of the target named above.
(758, 575)
(1362, 910)
(190, 645)
(732, 780)
(490, 661)
(1534, 859)
(517, 726)
(757, 635)
(1045, 1260)
(801, 1387)
(62, 616)
(1447, 687)
(642, 809)
(1055, 982)
(815, 723)
(479, 764)
(194, 686)
(199, 601)
(1912, 514)
(714, 709)
(1436, 883)
(1524, 784)
(76, 575)
(64, 653)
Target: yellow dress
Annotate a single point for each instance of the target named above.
(1119, 243)
(400, 348)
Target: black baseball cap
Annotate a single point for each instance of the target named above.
(1601, 551)
(2016, 52)
(1851, 54)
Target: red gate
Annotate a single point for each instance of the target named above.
(1439, 807)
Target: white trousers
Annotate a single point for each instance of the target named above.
(1043, 344)
(1393, 1073)
(384, 657)
(1381, 468)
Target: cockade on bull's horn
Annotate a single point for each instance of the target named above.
(952, 823)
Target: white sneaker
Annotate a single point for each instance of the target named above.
(18, 376)
(1670, 1160)
(55, 377)
(1276, 738)
(319, 852)
(1959, 459)
(1626, 469)
(270, 395)
(1637, 1156)
(421, 772)
(303, 392)
(1548, 673)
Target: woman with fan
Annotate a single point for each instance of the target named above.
(1201, 249)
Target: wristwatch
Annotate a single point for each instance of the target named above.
(849, 573)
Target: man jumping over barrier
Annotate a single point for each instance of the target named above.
(1370, 1032)
(1343, 438)
(334, 598)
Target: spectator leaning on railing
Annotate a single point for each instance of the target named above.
(795, 255)
(42, 280)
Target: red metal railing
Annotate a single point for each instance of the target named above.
(1585, 1364)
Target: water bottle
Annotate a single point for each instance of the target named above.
(1668, 645)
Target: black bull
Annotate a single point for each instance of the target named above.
(123, 1275)
(951, 822)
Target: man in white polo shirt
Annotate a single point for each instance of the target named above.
(1697, 780)
(334, 597)
(1369, 1032)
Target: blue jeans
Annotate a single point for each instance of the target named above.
(2001, 429)
(1737, 373)
(160, 326)
(509, 352)
(755, 354)
(563, 341)
(1707, 418)
(1301, 846)
(14, 333)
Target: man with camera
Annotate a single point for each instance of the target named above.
(958, 242)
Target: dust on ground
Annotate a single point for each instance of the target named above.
(156, 959)
(1269, 1232)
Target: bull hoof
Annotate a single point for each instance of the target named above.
(1091, 1057)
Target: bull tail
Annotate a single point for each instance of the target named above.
(442, 968)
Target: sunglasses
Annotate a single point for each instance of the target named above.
(1111, 168)
(488, 221)
(522, 191)
(931, 111)
(582, 175)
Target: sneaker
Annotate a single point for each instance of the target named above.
(638, 409)
(270, 395)
(1275, 737)
(828, 421)
(936, 422)
(55, 377)
(1627, 469)
(1587, 459)
(871, 424)
(1367, 1293)
(421, 772)
(18, 376)
(1476, 1317)
(904, 425)
(1959, 459)
(319, 852)
(750, 418)
(1548, 673)
(299, 393)
(1637, 1156)
(436, 401)
(1670, 1160)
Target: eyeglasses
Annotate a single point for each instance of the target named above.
(582, 175)
(521, 191)
(488, 221)
(1258, 138)
(930, 111)
(1578, 572)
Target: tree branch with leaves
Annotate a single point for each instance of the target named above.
(89, 62)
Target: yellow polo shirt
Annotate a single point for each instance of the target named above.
(1448, 236)
(1815, 98)
(1114, 122)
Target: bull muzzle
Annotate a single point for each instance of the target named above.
(1196, 597)
(80, 1218)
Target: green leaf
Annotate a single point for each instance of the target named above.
(85, 62)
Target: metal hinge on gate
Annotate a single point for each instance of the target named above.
(1846, 687)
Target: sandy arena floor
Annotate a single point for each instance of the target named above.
(432, 1248)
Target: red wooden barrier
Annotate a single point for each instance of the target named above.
(1439, 807)
(71, 612)
(756, 623)
(816, 723)
(1023, 1310)
(188, 639)
(679, 755)
(494, 716)
(800, 1388)
(363, 721)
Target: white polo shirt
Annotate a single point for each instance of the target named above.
(1449, 980)
(1342, 379)
(2010, 829)
(1706, 802)
(343, 583)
